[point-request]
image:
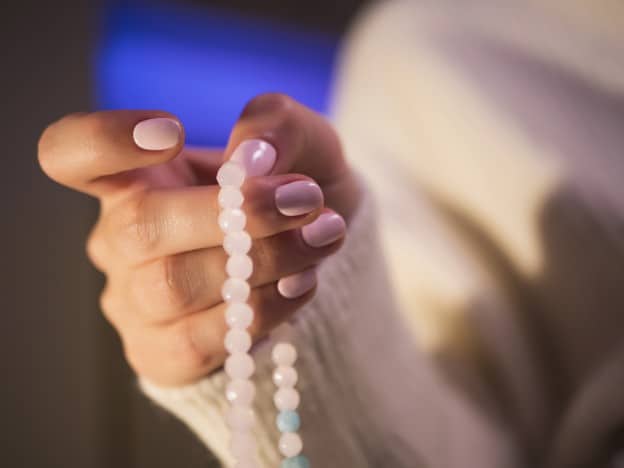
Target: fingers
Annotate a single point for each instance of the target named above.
(169, 288)
(159, 223)
(188, 349)
(84, 151)
(303, 140)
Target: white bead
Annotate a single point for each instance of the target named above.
(284, 354)
(239, 266)
(286, 399)
(235, 290)
(237, 242)
(242, 445)
(231, 174)
(285, 376)
(239, 366)
(240, 418)
(240, 392)
(232, 220)
(237, 341)
(290, 444)
(230, 197)
(239, 315)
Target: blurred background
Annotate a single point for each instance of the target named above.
(68, 398)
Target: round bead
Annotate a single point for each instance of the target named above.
(285, 376)
(237, 242)
(290, 444)
(242, 444)
(231, 174)
(239, 266)
(239, 315)
(232, 220)
(284, 354)
(235, 290)
(299, 461)
(239, 366)
(240, 392)
(237, 340)
(230, 197)
(286, 399)
(240, 418)
(288, 421)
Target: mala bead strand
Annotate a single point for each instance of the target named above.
(287, 400)
(239, 366)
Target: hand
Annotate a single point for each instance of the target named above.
(158, 240)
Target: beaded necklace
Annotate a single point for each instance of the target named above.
(239, 365)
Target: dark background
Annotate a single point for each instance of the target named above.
(68, 399)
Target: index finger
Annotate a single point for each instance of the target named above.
(87, 151)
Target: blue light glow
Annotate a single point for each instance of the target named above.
(203, 65)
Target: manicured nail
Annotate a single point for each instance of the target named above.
(298, 198)
(298, 284)
(327, 228)
(157, 134)
(257, 156)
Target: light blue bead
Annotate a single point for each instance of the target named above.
(288, 421)
(296, 462)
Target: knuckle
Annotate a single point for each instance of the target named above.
(267, 103)
(107, 304)
(47, 151)
(138, 232)
(94, 248)
(170, 287)
(52, 146)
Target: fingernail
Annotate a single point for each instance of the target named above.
(298, 198)
(157, 134)
(256, 156)
(324, 230)
(298, 284)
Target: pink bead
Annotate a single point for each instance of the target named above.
(284, 354)
(240, 392)
(237, 341)
(239, 315)
(242, 445)
(231, 174)
(290, 444)
(232, 220)
(286, 399)
(235, 290)
(285, 376)
(239, 366)
(239, 266)
(237, 242)
(240, 418)
(230, 197)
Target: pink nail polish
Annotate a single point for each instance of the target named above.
(297, 285)
(257, 156)
(157, 134)
(327, 228)
(298, 198)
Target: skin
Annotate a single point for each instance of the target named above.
(157, 239)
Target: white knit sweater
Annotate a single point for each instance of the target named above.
(494, 338)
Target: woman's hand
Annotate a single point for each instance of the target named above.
(158, 240)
